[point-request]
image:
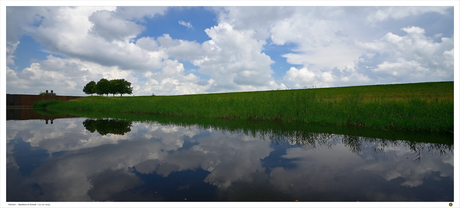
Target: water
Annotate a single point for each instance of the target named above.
(169, 159)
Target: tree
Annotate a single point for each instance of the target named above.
(103, 87)
(114, 87)
(120, 86)
(125, 87)
(90, 88)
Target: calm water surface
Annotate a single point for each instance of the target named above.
(85, 159)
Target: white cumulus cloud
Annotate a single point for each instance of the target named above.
(234, 59)
(67, 76)
(414, 56)
(172, 80)
(94, 34)
(331, 46)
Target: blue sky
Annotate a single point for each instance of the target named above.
(190, 50)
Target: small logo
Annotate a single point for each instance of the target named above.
(450, 204)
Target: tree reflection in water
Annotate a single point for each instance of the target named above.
(108, 126)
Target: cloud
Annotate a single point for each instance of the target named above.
(147, 43)
(95, 34)
(259, 19)
(22, 20)
(319, 31)
(389, 59)
(139, 13)
(414, 56)
(186, 24)
(302, 75)
(104, 36)
(67, 76)
(171, 80)
(332, 46)
(234, 59)
(324, 38)
(10, 48)
(384, 13)
(180, 49)
(109, 27)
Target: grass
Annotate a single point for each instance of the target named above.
(411, 107)
(45, 103)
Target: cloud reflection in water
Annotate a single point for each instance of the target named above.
(222, 165)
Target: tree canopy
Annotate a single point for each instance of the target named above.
(120, 86)
(90, 88)
(104, 86)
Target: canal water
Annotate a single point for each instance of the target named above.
(190, 159)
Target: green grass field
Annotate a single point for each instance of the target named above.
(412, 107)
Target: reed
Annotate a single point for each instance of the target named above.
(410, 107)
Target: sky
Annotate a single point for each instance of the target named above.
(211, 49)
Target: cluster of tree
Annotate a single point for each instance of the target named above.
(104, 86)
(106, 126)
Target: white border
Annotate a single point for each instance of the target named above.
(4, 3)
(228, 3)
(3, 105)
(456, 105)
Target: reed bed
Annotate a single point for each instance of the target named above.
(410, 107)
